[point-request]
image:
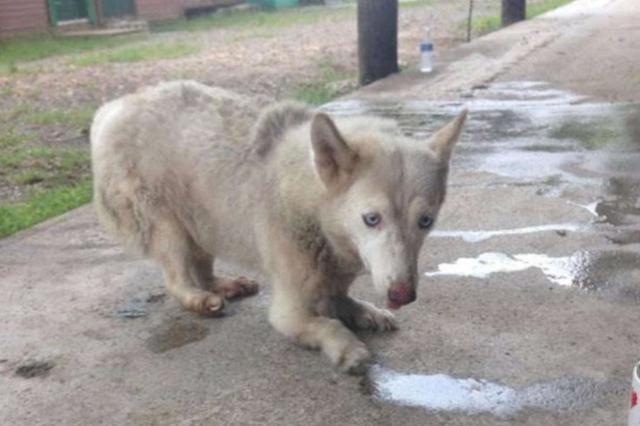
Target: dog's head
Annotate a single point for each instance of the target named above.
(384, 192)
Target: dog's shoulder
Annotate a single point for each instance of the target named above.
(274, 122)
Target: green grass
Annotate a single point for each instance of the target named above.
(57, 165)
(487, 24)
(321, 90)
(79, 118)
(254, 19)
(23, 49)
(538, 8)
(10, 139)
(41, 205)
(140, 53)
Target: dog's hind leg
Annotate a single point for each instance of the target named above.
(182, 263)
(235, 288)
(230, 288)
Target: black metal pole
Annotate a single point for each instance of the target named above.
(377, 39)
(513, 11)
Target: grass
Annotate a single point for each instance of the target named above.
(57, 166)
(52, 180)
(24, 49)
(138, 53)
(487, 24)
(78, 118)
(538, 8)
(323, 89)
(41, 205)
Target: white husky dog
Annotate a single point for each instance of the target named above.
(188, 173)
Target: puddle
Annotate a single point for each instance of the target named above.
(175, 334)
(477, 236)
(563, 271)
(441, 392)
(615, 273)
(524, 130)
(33, 368)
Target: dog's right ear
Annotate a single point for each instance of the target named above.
(443, 141)
(332, 158)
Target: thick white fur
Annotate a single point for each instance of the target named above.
(187, 173)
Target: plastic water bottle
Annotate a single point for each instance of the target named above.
(426, 54)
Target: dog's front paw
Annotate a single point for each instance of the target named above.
(355, 359)
(369, 317)
(208, 304)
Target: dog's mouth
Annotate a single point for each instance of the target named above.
(399, 296)
(391, 304)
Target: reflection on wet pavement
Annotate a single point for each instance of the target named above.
(477, 236)
(526, 130)
(441, 392)
(559, 270)
(177, 333)
(611, 272)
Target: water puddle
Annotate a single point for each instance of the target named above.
(477, 236)
(614, 274)
(524, 130)
(175, 334)
(441, 392)
(563, 271)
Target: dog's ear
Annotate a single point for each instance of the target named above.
(443, 141)
(332, 158)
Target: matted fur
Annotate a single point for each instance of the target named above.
(187, 173)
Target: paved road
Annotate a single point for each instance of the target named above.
(527, 313)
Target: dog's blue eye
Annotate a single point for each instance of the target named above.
(425, 222)
(371, 219)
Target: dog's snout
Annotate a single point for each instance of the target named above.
(400, 294)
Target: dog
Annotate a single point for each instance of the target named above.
(187, 173)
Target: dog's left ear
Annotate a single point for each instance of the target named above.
(332, 158)
(443, 141)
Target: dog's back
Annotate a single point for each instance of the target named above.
(152, 150)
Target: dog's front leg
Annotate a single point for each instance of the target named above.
(298, 286)
(292, 314)
(360, 315)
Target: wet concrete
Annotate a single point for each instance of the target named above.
(176, 333)
(440, 392)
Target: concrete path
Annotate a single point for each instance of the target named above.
(527, 313)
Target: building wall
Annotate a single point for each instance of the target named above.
(158, 9)
(167, 9)
(22, 16)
